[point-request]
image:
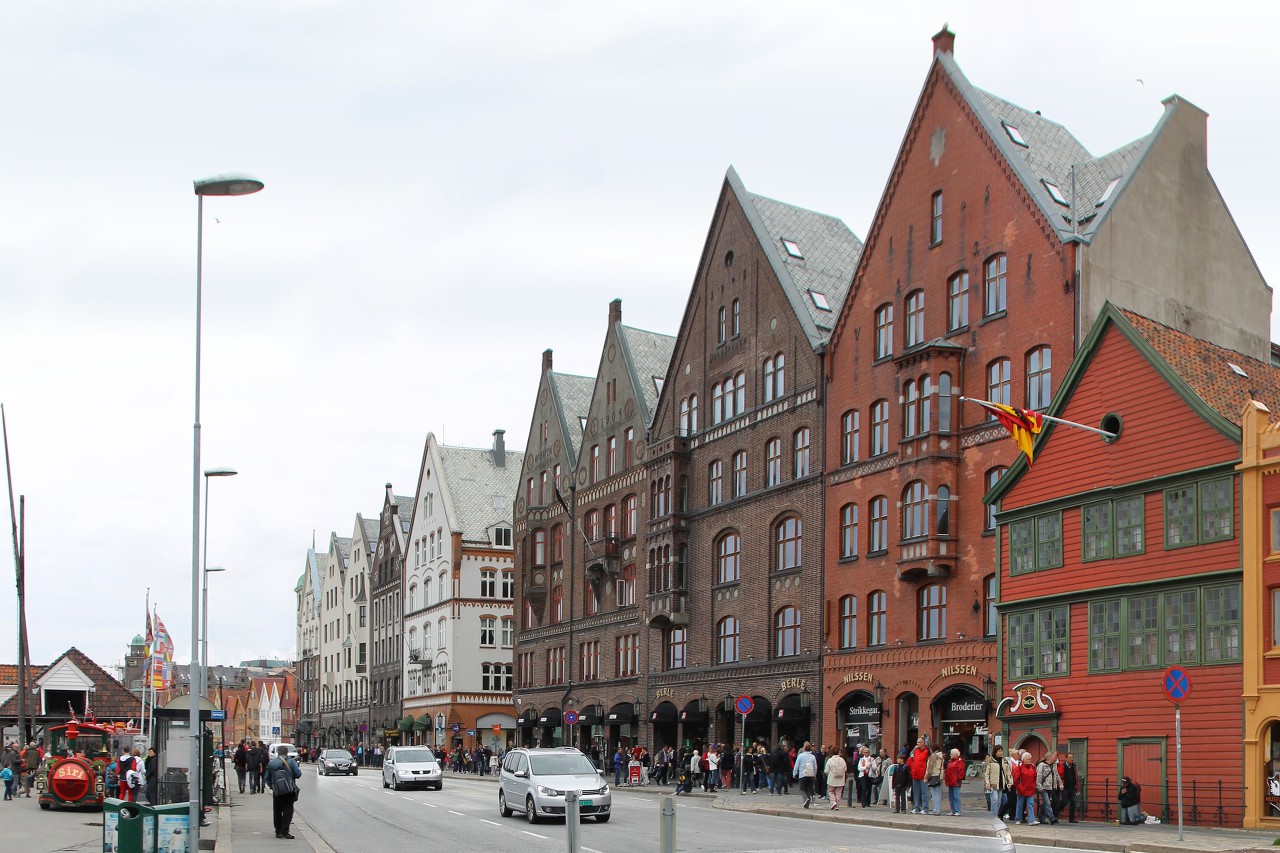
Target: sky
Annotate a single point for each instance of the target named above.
(450, 190)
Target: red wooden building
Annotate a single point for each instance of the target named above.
(1121, 557)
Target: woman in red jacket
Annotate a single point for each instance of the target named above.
(1024, 783)
(952, 777)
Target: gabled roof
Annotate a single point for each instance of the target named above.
(648, 356)
(343, 544)
(480, 491)
(9, 673)
(573, 402)
(110, 700)
(370, 528)
(828, 255)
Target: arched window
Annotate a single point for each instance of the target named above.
(740, 393)
(715, 482)
(768, 379)
(727, 634)
(539, 547)
(879, 524)
(800, 462)
(684, 416)
(590, 600)
(910, 406)
(848, 622)
(926, 404)
(591, 527)
(413, 597)
(933, 612)
(943, 511)
(992, 477)
(958, 301)
(728, 558)
(677, 645)
(849, 438)
(913, 511)
(557, 543)
(721, 325)
(557, 606)
(693, 414)
(786, 632)
(878, 623)
(611, 521)
(879, 427)
(944, 402)
(848, 531)
(717, 403)
(739, 473)
(773, 462)
(884, 331)
(629, 517)
(789, 539)
(994, 285)
(779, 375)
(1039, 377)
(427, 637)
(998, 382)
(915, 318)
(735, 318)
(444, 589)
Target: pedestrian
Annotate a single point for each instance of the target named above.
(779, 769)
(1070, 784)
(617, 766)
(151, 774)
(264, 758)
(918, 764)
(695, 766)
(836, 771)
(747, 771)
(806, 770)
(255, 778)
(933, 776)
(954, 776)
(729, 759)
(1048, 787)
(879, 789)
(995, 781)
(901, 783)
(240, 761)
(711, 778)
(11, 762)
(283, 774)
(112, 778)
(862, 776)
(125, 767)
(1024, 785)
(31, 758)
(1129, 796)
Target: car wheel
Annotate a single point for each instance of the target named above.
(602, 818)
(502, 804)
(384, 781)
(530, 811)
(46, 806)
(355, 772)
(440, 786)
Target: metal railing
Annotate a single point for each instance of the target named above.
(1212, 802)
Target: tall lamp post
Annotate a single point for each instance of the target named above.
(220, 185)
(204, 593)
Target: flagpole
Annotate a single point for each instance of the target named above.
(1102, 432)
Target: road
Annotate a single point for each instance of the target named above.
(356, 814)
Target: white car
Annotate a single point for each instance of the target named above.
(293, 750)
(535, 781)
(404, 766)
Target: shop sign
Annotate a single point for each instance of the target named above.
(1028, 698)
(794, 683)
(665, 693)
(959, 669)
(965, 711)
(856, 676)
(862, 714)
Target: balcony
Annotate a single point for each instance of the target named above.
(670, 607)
(606, 564)
(932, 558)
(361, 668)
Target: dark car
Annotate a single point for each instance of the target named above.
(337, 761)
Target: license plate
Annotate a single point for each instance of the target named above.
(584, 802)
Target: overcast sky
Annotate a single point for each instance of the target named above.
(450, 190)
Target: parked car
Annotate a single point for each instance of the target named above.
(404, 766)
(337, 761)
(293, 750)
(534, 781)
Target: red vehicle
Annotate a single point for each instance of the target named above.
(73, 773)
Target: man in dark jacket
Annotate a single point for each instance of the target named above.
(1130, 798)
(240, 761)
(151, 773)
(252, 754)
(282, 775)
(264, 757)
(780, 769)
(1070, 783)
(30, 763)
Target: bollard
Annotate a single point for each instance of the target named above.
(572, 821)
(667, 827)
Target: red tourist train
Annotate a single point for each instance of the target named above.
(74, 771)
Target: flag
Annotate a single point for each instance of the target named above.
(1023, 424)
(150, 636)
(560, 498)
(161, 655)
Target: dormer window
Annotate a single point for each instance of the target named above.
(819, 300)
(1055, 193)
(792, 248)
(1015, 135)
(1106, 194)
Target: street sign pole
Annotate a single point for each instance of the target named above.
(1177, 732)
(1177, 687)
(744, 706)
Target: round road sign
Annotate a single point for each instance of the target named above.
(1176, 684)
(571, 718)
(745, 705)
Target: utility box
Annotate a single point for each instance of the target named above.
(127, 827)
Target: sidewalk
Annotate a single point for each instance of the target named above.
(246, 828)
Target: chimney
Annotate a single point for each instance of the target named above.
(615, 311)
(546, 360)
(499, 449)
(391, 499)
(944, 41)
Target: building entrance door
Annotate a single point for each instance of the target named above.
(1142, 760)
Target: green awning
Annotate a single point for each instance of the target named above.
(406, 725)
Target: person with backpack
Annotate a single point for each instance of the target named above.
(806, 770)
(1048, 787)
(282, 775)
(124, 766)
(836, 771)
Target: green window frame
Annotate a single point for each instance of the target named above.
(1182, 626)
(1039, 642)
(1035, 543)
(1022, 644)
(1095, 527)
(1201, 512)
(1143, 639)
(1130, 524)
(1222, 624)
(1187, 625)
(1104, 635)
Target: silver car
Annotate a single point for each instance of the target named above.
(534, 781)
(404, 766)
(337, 761)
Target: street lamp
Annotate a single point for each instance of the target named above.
(220, 185)
(204, 619)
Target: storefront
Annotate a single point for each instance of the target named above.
(550, 728)
(794, 721)
(860, 718)
(526, 727)
(665, 725)
(588, 733)
(961, 714)
(759, 728)
(693, 724)
(621, 722)
(495, 731)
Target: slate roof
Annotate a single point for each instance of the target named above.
(648, 355)
(371, 528)
(344, 547)
(479, 490)
(110, 701)
(404, 506)
(573, 395)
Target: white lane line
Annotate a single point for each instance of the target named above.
(431, 805)
(459, 814)
(490, 822)
(589, 850)
(410, 799)
(534, 834)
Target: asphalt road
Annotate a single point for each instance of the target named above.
(355, 814)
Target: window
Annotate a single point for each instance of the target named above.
(849, 438)
(933, 612)
(684, 417)
(926, 404)
(1039, 642)
(1039, 377)
(740, 390)
(555, 665)
(935, 219)
(910, 408)
(727, 633)
(488, 584)
(786, 625)
(848, 531)
(611, 521)
(1035, 543)
(739, 473)
(539, 547)
(557, 543)
(628, 445)
(878, 623)
(879, 427)
(413, 597)
(792, 248)
(629, 517)
(1182, 626)
(595, 463)
(442, 634)
(628, 657)
(994, 287)
(800, 462)
(1198, 512)
(879, 525)
(591, 525)
(693, 414)
(768, 379)
(626, 592)
(998, 383)
(677, 646)
(1222, 624)
(993, 476)
(735, 317)
(715, 482)
(1055, 192)
(1095, 522)
(611, 456)
(773, 462)
(502, 537)
(721, 325)
(728, 558)
(488, 631)
(1188, 625)
(884, 331)
(942, 501)
(820, 300)
(789, 540)
(915, 318)
(557, 605)
(717, 403)
(589, 661)
(914, 511)
(990, 593)
(508, 632)
(848, 622)
(1015, 135)
(958, 301)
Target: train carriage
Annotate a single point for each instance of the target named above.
(73, 773)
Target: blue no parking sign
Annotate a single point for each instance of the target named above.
(1176, 684)
(745, 704)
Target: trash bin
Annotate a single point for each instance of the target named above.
(173, 822)
(127, 827)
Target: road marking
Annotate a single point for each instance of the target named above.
(590, 850)
(431, 805)
(459, 814)
(490, 822)
(534, 834)
(410, 799)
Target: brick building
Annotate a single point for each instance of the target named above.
(733, 551)
(1024, 236)
(1119, 559)
(386, 565)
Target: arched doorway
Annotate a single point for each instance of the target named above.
(664, 719)
(793, 719)
(621, 721)
(693, 723)
(589, 736)
(759, 722)
(859, 717)
(961, 713)
(550, 731)
(1035, 745)
(526, 723)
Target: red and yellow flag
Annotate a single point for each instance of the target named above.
(1023, 425)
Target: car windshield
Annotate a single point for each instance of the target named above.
(566, 764)
(334, 754)
(414, 755)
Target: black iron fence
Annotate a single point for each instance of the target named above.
(1214, 802)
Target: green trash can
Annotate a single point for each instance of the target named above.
(127, 827)
(173, 822)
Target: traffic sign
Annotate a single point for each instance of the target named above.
(457, 727)
(217, 714)
(1176, 684)
(497, 728)
(571, 717)
(745, 705)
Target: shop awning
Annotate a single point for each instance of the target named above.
(591, 715)
(789, 708)
(692, 712)
(550, 718)
(664, 713)
(623, 712)
(529, 717)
